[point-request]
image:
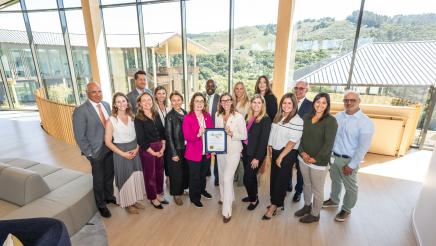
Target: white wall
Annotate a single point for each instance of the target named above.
(424, 217)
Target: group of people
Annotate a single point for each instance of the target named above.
(134, 144)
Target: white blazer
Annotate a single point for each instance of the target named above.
(237, 125)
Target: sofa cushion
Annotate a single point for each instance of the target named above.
(60, 178)
(21, 186)
(43, 169)
(20, 163)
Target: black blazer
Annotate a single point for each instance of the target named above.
(305, 108)
(173, 132)
(258, 138)
(271, 105)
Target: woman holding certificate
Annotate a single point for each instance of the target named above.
(283, 142)
(234, 126)
(253, 154)
(194, 126)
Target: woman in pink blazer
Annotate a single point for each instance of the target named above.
(194, 126)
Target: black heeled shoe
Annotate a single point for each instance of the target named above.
(252, 206)
(268, 218)
(156, 206)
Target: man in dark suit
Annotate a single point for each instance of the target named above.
(304, 107)
(89, 121)
(140, 87)
(212, 102)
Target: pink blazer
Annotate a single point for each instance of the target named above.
(194, 145)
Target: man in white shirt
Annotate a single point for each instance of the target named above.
(353, 138)
(141, 86)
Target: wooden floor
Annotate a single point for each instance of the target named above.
(382, 215)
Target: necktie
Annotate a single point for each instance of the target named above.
(100, 113)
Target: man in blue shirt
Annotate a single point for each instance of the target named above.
(353, 139)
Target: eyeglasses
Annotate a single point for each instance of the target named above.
(299, 88)
(349, 100)
(226, 101)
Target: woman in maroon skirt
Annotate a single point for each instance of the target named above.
(150, 135)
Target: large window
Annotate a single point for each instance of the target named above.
(163, 43)
(122, 39)
(16, 59)
(51, 55)
(3, 99)
(321, 35)
(79, 49)
(402, 31)
(254, 40)
(207, 23)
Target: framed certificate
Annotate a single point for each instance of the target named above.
(216, 140)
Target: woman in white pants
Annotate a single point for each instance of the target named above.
(234, 125)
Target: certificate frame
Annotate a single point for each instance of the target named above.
(207, 138)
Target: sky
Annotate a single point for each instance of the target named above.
(208, 15)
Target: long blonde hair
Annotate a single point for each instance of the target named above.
(244, 100)
(262, 112)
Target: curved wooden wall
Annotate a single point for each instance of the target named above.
(56, 118)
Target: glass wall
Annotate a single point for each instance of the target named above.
(255, 27)
(3, 99)
(51, 55)
(164, 45)
(16, 59)
(79, 49)
(321, 35)
(207, 23)
(407, 27)
(122, 39)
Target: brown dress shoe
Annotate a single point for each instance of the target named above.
(139, 205)
(178, 200)
(226, 219)
(132, 210)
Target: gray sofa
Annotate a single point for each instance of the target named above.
(30, 189)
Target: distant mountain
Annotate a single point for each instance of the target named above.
(375, 27)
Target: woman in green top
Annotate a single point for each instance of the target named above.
(319, 132)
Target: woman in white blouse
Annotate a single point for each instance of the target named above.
(283, 143)
(234, 125)
(129, 180)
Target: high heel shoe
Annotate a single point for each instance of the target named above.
(156, 206)
(267, 217)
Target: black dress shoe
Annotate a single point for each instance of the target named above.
(297, 197)
(157, 206)
(105, 212)
(206, 195)
(111, 201)
(246, 199)
(198, 204)
(253, 206)
(216, 183)
(164, 202)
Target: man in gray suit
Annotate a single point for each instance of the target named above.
(212, 102)
(140, 87)
(89, 121)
